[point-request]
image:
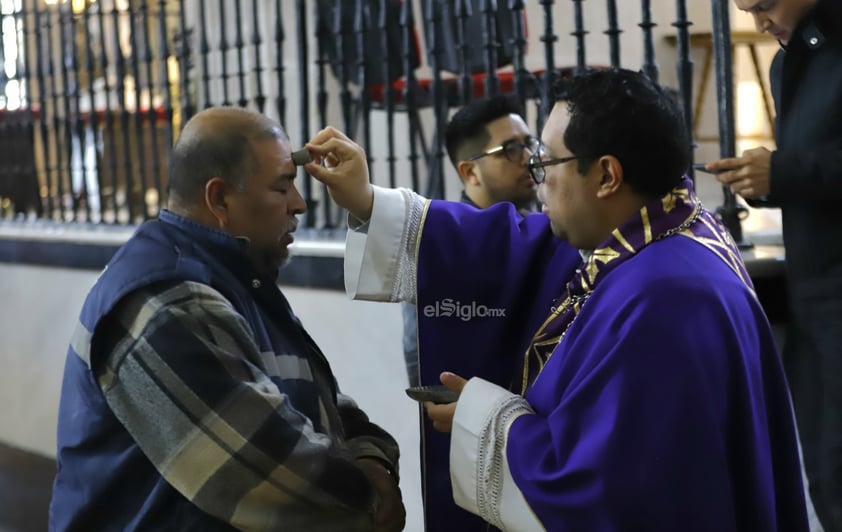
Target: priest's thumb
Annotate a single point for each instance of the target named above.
(452, 381)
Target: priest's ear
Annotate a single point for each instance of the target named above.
(611, 176)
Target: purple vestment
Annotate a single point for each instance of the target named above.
(661, 404)
(473, 262)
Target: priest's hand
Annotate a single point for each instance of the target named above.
(748, 176)
(391, 513)
(340, 163)
(442, 415)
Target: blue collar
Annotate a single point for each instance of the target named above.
(203, 233)
(232, 251)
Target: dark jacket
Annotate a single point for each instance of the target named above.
(806, 170)
(104, 480)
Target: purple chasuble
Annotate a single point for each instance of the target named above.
(659, 395)
(660, 399)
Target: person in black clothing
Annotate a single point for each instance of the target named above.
(803, 177)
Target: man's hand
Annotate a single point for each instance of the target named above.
(442, 415)
(748, 175)
(341, 164)
(391, 514)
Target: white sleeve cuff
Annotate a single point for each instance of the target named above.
(479, 470)
(372, 249)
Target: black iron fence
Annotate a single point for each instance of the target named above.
(93, 93)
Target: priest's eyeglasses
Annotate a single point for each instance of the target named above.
(535, 166)
(512, 149)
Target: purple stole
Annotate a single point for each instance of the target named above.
(677, 213)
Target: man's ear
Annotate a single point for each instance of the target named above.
(468, 172)
(611, 176)
(216, 199)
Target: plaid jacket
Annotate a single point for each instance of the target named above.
(235, 409)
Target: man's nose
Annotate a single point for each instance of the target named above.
(761, 23)
(297, 205)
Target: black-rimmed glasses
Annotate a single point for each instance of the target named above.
(535, 166)
(512, 149)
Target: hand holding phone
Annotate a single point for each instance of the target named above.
(438, 394)
(700, 167)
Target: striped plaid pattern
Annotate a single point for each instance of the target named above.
(223, 422)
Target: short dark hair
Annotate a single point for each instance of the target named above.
(466, 133)
(220, 146)
(625, 114)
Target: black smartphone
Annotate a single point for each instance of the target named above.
(700, 167)
(437, 393)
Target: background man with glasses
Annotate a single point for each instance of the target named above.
(488, 143)
(650, 393)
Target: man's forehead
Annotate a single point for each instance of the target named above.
(274, 151)
(271, 142)
(506, 127)
(556, 125)
(753, 5)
